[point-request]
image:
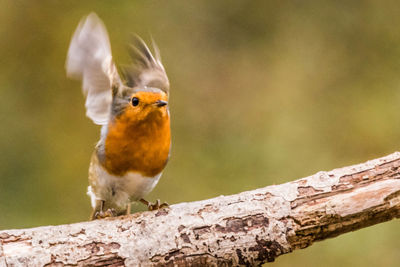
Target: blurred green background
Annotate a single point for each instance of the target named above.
(262, 93)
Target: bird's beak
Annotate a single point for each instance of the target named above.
(160, 103)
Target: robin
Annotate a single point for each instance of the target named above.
(132, 110)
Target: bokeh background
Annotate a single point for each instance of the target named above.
(262, 93)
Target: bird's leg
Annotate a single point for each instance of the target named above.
(128, 209)
(99, 213)
(155, 206)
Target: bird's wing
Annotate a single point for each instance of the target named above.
(89, 59)
(146, 70)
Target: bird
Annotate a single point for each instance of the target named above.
(130, 103)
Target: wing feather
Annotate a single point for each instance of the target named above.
(145, 70)
(90, 60)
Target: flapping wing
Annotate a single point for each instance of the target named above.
(145, 70)
(89, 59)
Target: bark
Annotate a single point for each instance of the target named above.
(249, 228)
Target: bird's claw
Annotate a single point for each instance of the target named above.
(155, 206)
(105, 214)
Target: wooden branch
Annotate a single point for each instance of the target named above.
(249, 228)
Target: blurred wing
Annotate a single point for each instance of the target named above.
(89, 59)
(145, 70)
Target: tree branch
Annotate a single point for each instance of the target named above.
(249, 228)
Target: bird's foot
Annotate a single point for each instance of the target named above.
(155, 206)
(105, 214)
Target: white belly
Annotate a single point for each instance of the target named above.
(120, 190)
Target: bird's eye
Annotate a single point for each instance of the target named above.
(135, 101)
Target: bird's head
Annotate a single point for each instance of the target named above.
(140, 105)
(144, 104)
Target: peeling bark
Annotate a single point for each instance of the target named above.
(249, 228)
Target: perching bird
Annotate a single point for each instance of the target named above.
(135, 139)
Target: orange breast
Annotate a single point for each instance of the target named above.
(141, 146)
